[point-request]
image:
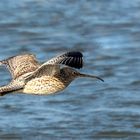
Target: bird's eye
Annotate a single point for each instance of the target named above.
(74, 72)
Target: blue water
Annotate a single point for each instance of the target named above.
(108, 34)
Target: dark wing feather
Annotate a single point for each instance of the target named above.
(72, 59)
(21, 64)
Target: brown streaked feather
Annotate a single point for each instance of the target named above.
(21, 64)
(14, 85)
(28, 74)
(47, 70)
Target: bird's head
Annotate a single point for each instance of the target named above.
(72, 74)
(69, 72)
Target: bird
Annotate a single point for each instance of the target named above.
(32, 77)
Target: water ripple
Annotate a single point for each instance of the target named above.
(108, 36)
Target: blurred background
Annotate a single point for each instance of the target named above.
(107, 32)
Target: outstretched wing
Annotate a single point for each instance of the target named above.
(72, 59)
(13, 86)
(21, 64)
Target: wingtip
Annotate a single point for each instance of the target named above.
(72, 58)
(2, 62)
(77, 59)
(74, 54)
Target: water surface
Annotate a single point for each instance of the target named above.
(108, 34)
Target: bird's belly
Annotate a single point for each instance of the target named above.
(43, 85)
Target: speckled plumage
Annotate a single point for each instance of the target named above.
(50, 79)
(21, 64)
(34, 78)
(44, 85)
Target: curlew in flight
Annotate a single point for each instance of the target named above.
(32, 77)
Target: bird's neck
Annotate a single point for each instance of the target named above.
(66, 79)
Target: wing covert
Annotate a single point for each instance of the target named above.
(21, 64)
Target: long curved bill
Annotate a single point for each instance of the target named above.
(90, 76)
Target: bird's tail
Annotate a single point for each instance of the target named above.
(90, 76)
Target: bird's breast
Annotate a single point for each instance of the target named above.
(44, 85)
